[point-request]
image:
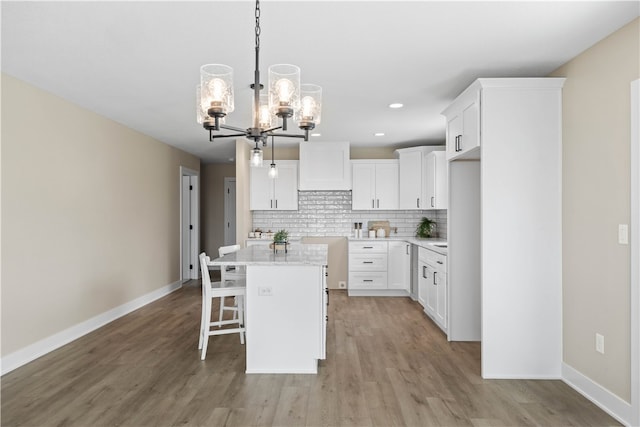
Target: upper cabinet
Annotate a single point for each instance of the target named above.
(418, 178)
(279, 193)
(463, 126)
(375, 184)
(436, 180)
(324, 166)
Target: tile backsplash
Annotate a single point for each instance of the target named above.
(328, 213)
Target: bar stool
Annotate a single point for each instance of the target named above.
(230, 273)
(211, 290)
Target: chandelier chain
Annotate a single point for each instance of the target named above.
(258, 23)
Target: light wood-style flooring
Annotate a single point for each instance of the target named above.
(387, 365)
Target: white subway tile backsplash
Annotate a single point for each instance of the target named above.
(328, 213)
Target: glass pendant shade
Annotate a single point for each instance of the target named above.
(265, 118)
(284, 89)
(273, 171)
(216, 81)
(308, 115)
(256, 157)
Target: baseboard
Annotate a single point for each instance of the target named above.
(377, 293)
(600, 396)
(27, 354)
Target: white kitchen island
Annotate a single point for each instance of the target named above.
(286, 307)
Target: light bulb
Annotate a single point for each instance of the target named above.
(273, 171)
(217, 90)
(265, 117)
(256, 157)
(308, 108)
(284, 91)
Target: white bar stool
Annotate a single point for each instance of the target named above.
(211, 290)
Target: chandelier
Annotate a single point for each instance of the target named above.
(285, 99)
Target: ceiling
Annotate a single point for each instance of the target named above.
(138, 62)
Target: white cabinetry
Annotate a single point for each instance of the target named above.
(499, 234)
(280, 193)
(432, 286)
(436, 180)
(375, 184)
(418, 178)
(399, 270)
(463, 126)
(379, 268)
(324, 166)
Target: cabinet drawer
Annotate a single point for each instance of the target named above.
(374, 280)
(368, 247)
(438, 261)
(368, 262)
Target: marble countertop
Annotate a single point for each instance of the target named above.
(297, 254)
(430, 243)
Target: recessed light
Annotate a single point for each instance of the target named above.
(379, 134)
(396, 105)
(316, 134)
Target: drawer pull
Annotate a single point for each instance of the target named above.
(367, 280)
(367, 262)
(439, 262)
(424, 271)
(434, 277)
(367, 247)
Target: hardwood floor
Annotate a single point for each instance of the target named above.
(387, 365)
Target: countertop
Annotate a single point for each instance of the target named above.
(297, 254)
(425, 243)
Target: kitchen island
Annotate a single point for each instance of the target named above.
(286, 306)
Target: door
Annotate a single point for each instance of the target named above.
(399, 265)
(286, 187)
(260, 189)
(430, 180)
(229, 211)
(411, 180)
(189, 224)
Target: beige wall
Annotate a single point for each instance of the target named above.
(90, 214)
(596, 192)
(243, 214)
(212, 205)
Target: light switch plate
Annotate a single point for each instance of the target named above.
(623, 234)
(600, 343)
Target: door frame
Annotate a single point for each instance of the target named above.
(194, 220)
(227, 207)
(635, 252)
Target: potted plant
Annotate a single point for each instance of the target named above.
(280, 239)
(425, 227)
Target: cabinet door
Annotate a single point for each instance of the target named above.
(399, 265)
(363, 195)
(430, 180)
(470, 126)
(260, 189)
(441, 180)
(325, 166)
(410, 175)
(286, 187)
(441, 299)
(454, 131)
(432, 292)
(387, 186)
(423, 282)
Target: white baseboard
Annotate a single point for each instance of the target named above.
(600, 396)
(46, 345)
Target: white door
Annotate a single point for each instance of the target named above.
(286, 187)
(260, 189)
(185, 227)
(189, 221)
(229, 211)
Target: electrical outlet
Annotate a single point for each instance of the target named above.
(342, 284)
(600, 343)
(265, 291)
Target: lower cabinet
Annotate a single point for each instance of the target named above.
(432, 286)
(379, 268)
